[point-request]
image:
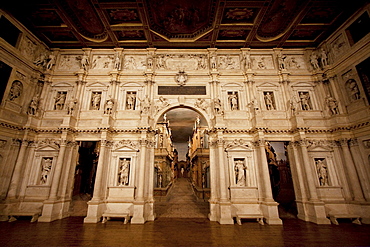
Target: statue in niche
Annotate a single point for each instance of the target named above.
(324, 58)
(240, 168)
(269, 101)
(332, 104)
(117, 62)
(281, 61)
(51, 62)
(130, 63)
(71, 106)
(131, 100)
(218, 107)
(45, 169)
(314, 61)
(95, 101)
(233, 101)
(32, 108)
(322, 172)
(304, 99)
(145, 105)
(60, 100)
(109, 107)
(201, 103)
(84, 61)
(123, 173)
(15, 90)
(353, 89)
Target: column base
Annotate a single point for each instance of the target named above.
(138, 215)
(94, 211)
(53, 210)
(313, 212)
(270, 213)
(225, 214)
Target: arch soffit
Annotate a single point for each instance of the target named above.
(177, 105)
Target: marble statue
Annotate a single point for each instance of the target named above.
(131, 100)
(95, 101)
(145, 105)
(124, 172)
(218, 107)
(233, 100)
(45, 170)
(51, 62)
(117, 62)
(41, 60)
(60, 100)
(109, 107)
(213, 61)
(304, 98)
(240, 168)
(32, 108)
(353, 89)
(247, 62)
(84, 62)
(322, 172)
(313, 60)
(332, 104)
(281, 62)
(324, 58)
(71, 106)
(269, 101)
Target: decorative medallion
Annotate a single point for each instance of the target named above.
(181, 78)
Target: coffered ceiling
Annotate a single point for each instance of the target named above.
(182, 23)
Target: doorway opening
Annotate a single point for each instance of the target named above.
(84, 177)
(281, 178)
(181, 172)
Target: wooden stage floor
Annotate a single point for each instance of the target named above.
(180, 232)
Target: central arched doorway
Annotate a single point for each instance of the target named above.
(181, 164)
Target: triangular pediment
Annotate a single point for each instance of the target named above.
(319, 149)
(48, 148)
(126, 146)
(96, 84)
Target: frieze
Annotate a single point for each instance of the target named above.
(228, 62)
(68, 62)
(181, 61)
(134, 62)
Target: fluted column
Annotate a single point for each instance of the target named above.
(12, 193)
(352, 173)
(222, 171)
(57, 172)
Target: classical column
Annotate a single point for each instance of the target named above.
(352, 173)
(309, 171)
(12, 193)
(58, 171)
(213, 176)
(265, 171)
(99, 172)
